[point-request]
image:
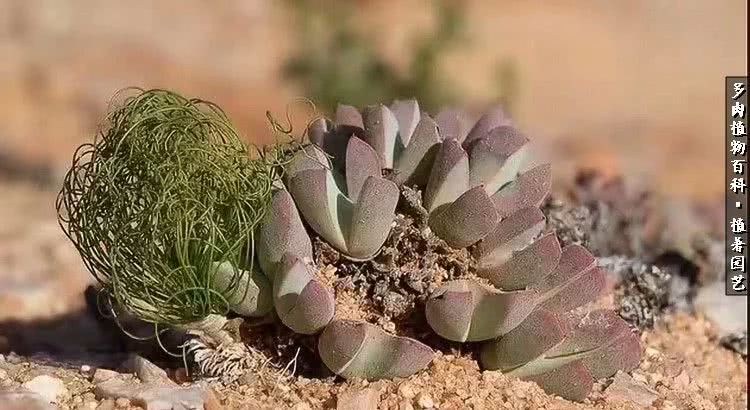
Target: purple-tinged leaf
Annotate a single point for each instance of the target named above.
(528, 190)
(449, 177)
(510, 235)
(281, 231)
(407, 114)
(604, 342)
(575, 282)
(354, 349)
(372, 217)
(413, 165)
(302, 303)
(322, 204)
(348, 115)
(571, 381)
(381, 130)
(466, 220)
(496, 159)
(527, 266)
(541, 331)
(310, 157)
(465, 310)
(361, 163)
(318, 129)
(492, 119)
(452, 124)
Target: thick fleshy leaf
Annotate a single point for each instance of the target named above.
(322, 204)
(347, 115)
(381, 130)
(302, 303)
(528, 190)
(496, 159)
(452, 124)
(354, 349)
(248, 292)
(571, 381)
(492, 119)
(413, 165)
(575, 282)
(466, 220)
(407, 114)
(510, 235)
(372, 218)
(361, 163)
(317, 130)
(449, 177)
(527, 266)
(307, 158)
(464, 310)
(281, 231)
(541, 331)
(604, 342)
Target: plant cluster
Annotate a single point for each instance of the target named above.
(481, 191)
(183, 210)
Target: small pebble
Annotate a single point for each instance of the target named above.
(2, 358)
(122, 403)
(3, 374)
(406, 391)
(425, 401)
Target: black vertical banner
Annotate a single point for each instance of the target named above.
(736, 185)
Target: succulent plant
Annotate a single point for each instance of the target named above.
(481, 192)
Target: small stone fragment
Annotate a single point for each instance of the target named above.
(358, 399)
(406, 391)
(3, 374)
(147, 371)
(102, 375)
(52, 389)
(625, 388)
(425, 401)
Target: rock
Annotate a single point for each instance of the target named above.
(122, 403)
(728, 313)
(102, 375)
(52, 389)
(425, 401)
(358, 399)
(625, 388)
(3, 375)
(302, 406)
(406, 390)
(159, 396)
(86, 370)
(2, 358)
(147, 371)
(23, 399)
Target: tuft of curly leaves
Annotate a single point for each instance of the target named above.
(161, 208)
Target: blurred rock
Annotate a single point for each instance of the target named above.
(727, 312)
(23, 399)
(159, 396)
(50, 388)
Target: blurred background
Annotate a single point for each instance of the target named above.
(630, 87)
